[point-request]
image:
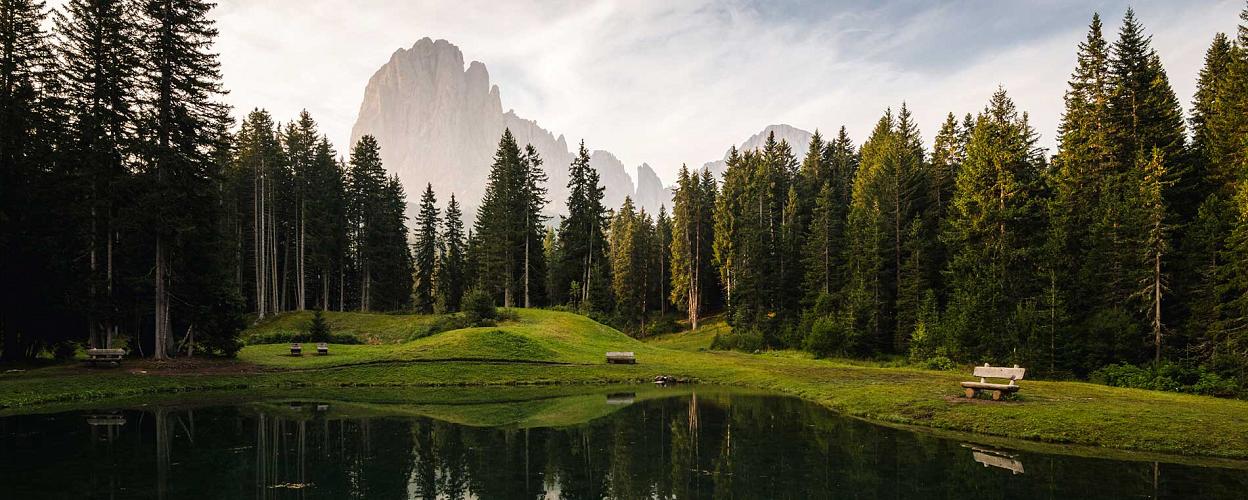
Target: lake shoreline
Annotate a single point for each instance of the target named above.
(1043, 412)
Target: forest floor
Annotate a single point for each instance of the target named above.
(560, 349)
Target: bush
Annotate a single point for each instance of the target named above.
(1211, 384)
(479, 306)
(942, 363)
(284, 337)
(318, 328)
(662, 325)
(748, 341)
(1167, 377)
(64, 350)
(830, 335)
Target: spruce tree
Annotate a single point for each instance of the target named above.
(99, 72)
(581, 236)
(180, 80)
(32, 185)
(452, 275)
(994, 228)
(426, 250)
(366, 212)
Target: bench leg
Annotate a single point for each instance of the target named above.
(970, 393)
(996, 395)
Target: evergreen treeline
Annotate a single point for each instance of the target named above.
(130, 211)
(1129, 245)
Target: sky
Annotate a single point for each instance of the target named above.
(670, 82)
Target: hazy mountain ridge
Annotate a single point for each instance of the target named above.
(797, 138)
(439, 122)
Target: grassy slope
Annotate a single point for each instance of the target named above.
(695, 340)
(1057, 412)
(383, 328)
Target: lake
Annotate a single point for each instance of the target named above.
(620, 442)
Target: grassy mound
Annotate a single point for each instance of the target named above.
(368, 327)
(537, 336)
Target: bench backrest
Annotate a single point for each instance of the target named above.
(986, 371)
(106, 352)
(620, 354)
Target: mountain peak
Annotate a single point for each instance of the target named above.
(439, 122)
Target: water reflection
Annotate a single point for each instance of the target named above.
(708, 444)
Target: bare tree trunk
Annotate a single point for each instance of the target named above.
(258, 245)
(301, 296)
(273, 284)
(527, 303)
(161, 300)
(1157, 307)
(92, 330)
(110, 326)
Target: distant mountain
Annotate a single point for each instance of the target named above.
(438, 122)
(797, 138)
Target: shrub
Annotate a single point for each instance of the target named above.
(661, 325)
(284, 337)
(478, 306)
(318, 328)
(1210, 383)
(745, 340)
(1167, 377)
(64, 350)
(830, 335)
(938, 362)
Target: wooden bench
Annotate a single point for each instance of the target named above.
(998, 390)
(110, 356)
(322, 348)
(621, 358)
(296, 349)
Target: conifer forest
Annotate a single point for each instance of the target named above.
(137, 208)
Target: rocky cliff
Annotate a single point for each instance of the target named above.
(439, 122)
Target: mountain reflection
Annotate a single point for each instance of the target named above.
(703, 445)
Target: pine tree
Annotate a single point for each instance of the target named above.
(509, 225)
(889, 192)
(533, 197)
(299, 140)
(691, 241)
(391, 260)
(662, 258)
(98, 68)
(995, 225)
(1154, 228)
(452, 275)
(581, 235)
(180, 79)
(627, 267)
(366, 211)
(31, 184)
(426, 251)
(1079, 183)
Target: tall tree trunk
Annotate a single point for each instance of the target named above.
(162, 322)
(257, 226)
(93, 305)
(301, 296)
(1157, 307)
(527, 303)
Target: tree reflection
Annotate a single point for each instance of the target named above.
(716, 444)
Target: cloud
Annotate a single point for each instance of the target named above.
(678, 82)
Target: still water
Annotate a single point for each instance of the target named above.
(686, 443)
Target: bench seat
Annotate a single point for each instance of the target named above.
(990, 387)
(111, 356)
(621, 358)
(997, 372)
